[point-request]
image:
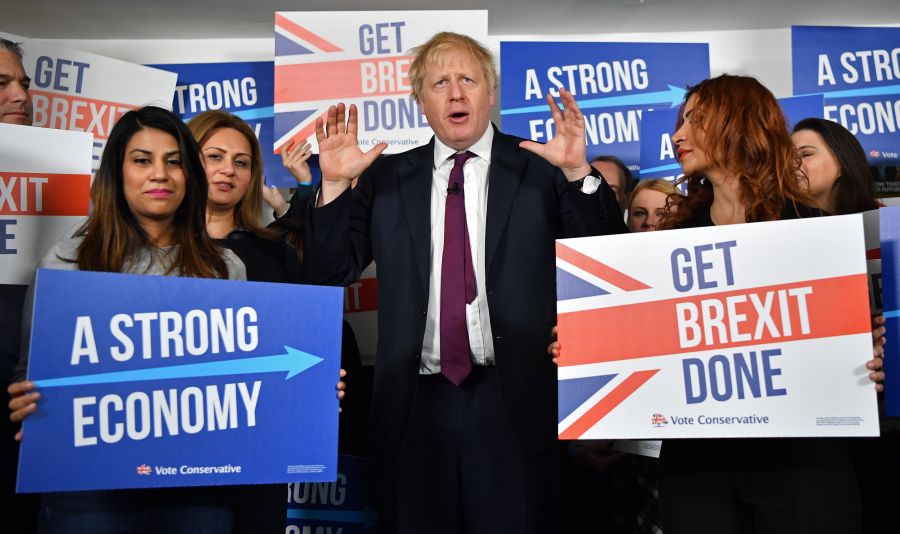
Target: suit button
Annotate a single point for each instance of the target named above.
(498, 338)
(490, 293)
(423, 313)
(418, 355)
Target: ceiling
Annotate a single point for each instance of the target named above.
(182, 19)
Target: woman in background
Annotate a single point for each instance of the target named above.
(840, 181)
(233, 163)
(647, 204)
(835, 164)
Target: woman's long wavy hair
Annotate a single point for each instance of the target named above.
(248, 211)
(745, 135)
(112, 234)
(855, 192)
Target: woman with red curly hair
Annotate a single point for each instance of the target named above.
(740, 166)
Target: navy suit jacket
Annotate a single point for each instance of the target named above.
(387, 218)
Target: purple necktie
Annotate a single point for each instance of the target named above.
(457, 279)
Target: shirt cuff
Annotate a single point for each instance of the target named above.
(591, 184)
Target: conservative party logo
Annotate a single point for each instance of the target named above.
(143, 469)
(659, 420)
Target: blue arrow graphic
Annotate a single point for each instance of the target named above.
(673, 96)
(865, 91)
(246, 114)
(366, 516)
(669, 167)
(293, 362)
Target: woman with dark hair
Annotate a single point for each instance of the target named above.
(149, 198)
(740, 166)
(835, 164)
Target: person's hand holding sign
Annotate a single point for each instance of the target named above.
(341, 388)
(22, 402)
(876, 364)
(554, 347)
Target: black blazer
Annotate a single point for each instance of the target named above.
(387, 218)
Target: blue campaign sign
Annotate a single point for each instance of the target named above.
(245, 89)
(153, 381)
(658, 157)
(332, 506)
(658, 153)
(858, 71)
(614, 83)
(890, 287)
(797, 108)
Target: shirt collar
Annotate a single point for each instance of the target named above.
(481, 148)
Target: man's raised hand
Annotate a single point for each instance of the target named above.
(567, 148)
(340, 158)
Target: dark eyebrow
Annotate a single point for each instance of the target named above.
(7, 77)
(145, 151)
(223, 150)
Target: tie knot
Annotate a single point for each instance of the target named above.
(459, 159)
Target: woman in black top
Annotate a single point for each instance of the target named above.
(233, 162)
(740, 166)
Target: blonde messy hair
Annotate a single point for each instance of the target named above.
(441, 44)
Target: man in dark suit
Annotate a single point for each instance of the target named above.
(462, 231)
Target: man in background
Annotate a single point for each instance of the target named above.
(617, 176)
(15, 108)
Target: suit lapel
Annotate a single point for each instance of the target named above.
(415, 192)
(507, 168)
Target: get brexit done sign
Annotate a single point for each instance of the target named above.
(357, 57)
(733, 331)
(41, 198)
(858, 71)
(75, 90)
(614, 83)
(189, 382)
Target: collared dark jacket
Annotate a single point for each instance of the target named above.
(386, 218)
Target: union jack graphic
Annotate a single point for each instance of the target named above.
(143, 469)
(658, 420)
(874, 153)
(585, 400)
(303, 62)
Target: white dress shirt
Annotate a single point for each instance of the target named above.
(475, 189)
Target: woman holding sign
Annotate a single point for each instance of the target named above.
(148, 201)
(741, 166)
